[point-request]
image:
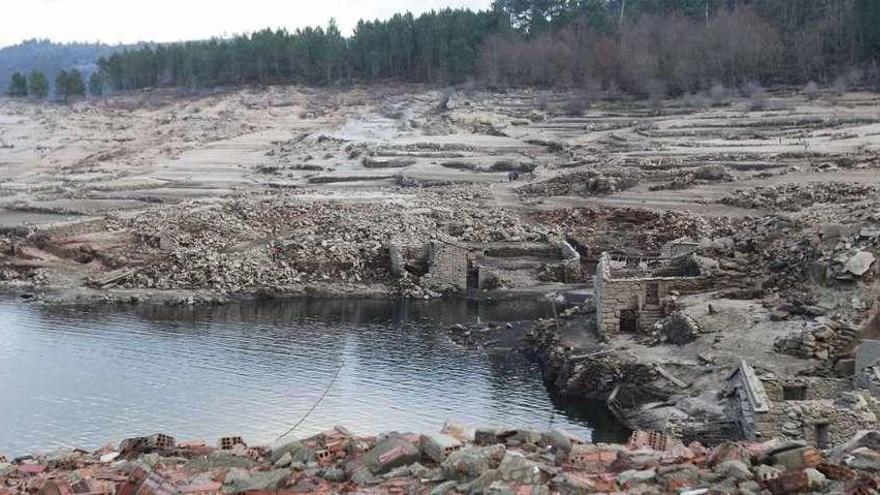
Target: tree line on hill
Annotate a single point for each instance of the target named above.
(67, 84)
(644, 47)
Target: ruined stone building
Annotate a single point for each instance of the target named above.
(446, 266)
(822, 411)
(630, 291)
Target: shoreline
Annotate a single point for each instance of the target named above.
(458, 459)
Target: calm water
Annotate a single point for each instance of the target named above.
(85, 376)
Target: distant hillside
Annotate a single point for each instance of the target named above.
(49, 57)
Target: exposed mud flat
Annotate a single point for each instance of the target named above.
(144, 164)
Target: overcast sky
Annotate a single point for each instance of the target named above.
(127, 21)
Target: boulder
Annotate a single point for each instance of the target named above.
(516, 468)
(297, 451)
(633, 477)
(859, 263)
(734, 469)
(679, 328)
(238, 480)
(470, 462)
(390, 454)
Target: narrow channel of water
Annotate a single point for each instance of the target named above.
(82, 376)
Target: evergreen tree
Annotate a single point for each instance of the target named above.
(69, 84)
(96, 84)
(683, 45)
(75, 84)
(61, 88)
(18, 85)
(38, 85)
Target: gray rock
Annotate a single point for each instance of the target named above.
(218, 460)
(679, 328)
(516, 468)
(734, 469)
(239, 480)
(470, 462)
(389, 454)
(635, 477)
(333, 474)
(362, 477)
(860, 263)
(520, 437)
(500, 488)
(482, 483)
(817, 479)
(284, 461)
(298, 452)
(560, 442)
(748, 487)
(444, 488)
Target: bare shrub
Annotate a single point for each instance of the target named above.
(719, 95)
(695, 100)
(811, 90)
(756, 95)
(543, 102)
(841, 85)
(656, 93)
(576, 104)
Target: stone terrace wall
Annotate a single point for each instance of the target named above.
(447, 267)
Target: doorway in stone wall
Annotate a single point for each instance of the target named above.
(629, 321)
(652, 294)
(823, 438)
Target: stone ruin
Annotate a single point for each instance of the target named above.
(827, 341)
(633, 293)
(446, 266)
(822, 411)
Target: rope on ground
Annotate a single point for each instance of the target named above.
(315, 405)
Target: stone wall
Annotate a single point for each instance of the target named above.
(814, 387)
(843, 418)
(447, 267)
(822, 342)
(750, 406)
(613, 295)
(629, 293)
(76, 227)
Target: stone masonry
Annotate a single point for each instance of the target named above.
(628, 299)
(447, 267)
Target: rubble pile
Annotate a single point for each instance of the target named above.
(793, 197)
(455, 461)
(705, 174)
(822, 342)
(678, 329)
(580, 183)
(633, 229)
(273, 243)
(248, 244)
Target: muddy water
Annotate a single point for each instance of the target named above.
(83, 376)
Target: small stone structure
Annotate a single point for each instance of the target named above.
(447, 267)
(828, 341)
(630, 292)
(818, 410)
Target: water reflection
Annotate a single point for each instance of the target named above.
(80, 376)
